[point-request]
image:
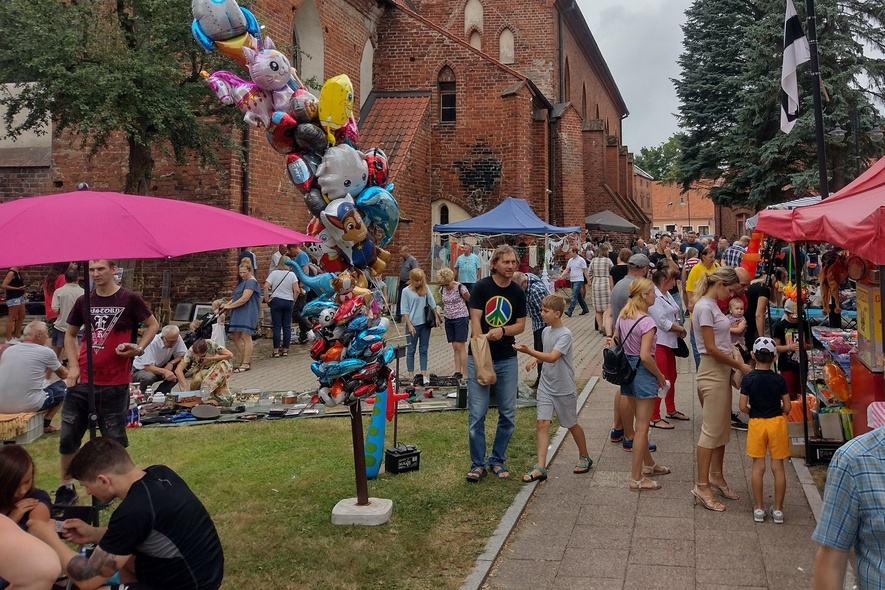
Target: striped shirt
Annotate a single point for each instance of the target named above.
(535, 292)
(853, 513)
(732, 256)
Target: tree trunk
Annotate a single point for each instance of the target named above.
(141, 168)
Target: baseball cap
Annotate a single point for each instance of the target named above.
(766, 344)
(639, 261)
(789, 306)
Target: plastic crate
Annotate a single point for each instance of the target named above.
(35, 430)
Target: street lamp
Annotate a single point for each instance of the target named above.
(682, 203)
(838, 135)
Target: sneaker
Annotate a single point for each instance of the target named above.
(777, 516)
(628, 446)
(418, 381)
(568, 313)
(616, 435)
(759, 515)
(737, 423)
(584, 313)
(66, 495)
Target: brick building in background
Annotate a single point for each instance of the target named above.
(677, 212)
(472, 100)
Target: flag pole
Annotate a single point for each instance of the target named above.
(818, 108)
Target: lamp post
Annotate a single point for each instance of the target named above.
(683, 201)
(838, 135)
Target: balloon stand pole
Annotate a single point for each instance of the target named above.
(361, 510)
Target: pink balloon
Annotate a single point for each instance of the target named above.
(246, 96)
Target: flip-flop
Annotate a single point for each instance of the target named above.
(678, 416)
(241, 369)
(657, 424)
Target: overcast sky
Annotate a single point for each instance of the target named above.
(640, 41)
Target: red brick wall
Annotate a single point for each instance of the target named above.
(19, 182)
(569, 193)
(594, 166)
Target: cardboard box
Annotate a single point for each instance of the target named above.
(796, 432)
(831, 426)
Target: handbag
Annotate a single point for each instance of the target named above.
(616, 367)
(482, 360)
(429, 316)
(681, 350)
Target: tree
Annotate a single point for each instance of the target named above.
(97, 68)
(732, 120)
(662, 162)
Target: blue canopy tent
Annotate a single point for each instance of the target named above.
(513, 216)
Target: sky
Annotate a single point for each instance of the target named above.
(641, 41)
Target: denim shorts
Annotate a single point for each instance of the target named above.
(644, 385)
(15, 301)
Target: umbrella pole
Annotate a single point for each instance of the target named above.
(90, 386)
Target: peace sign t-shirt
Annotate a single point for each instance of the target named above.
(499, 307)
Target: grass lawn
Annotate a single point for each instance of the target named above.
(270, 487)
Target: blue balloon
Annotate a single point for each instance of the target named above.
(320, 284)
(378, 207)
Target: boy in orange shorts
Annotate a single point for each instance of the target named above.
(765, 398)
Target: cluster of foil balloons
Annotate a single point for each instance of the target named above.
(345, 189)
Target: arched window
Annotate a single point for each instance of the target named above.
(506, 54)
(741, 220)
(472, 16)
(296, 53)
(447, 95)
(476, 40)
(584, 102)
(307, 36)
(444, 215)
(566, 83)
(366, 71)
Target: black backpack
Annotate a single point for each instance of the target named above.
(616, 367)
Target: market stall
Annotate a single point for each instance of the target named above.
(853, 361)
(514, 222)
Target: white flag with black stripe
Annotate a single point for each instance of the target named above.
(796, 51)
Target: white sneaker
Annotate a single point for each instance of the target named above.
(777, 516)
(759, 515)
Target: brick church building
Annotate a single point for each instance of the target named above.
(472, 100)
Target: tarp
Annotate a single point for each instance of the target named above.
(608, 221)
(852, 218)
(512, 216)
(751, 222)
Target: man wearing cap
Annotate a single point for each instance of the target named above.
(785, 333)
(623, 421)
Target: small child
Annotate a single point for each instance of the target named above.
(738, 327)
(765, 398)
(556, 388)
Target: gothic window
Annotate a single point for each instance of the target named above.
(307, 36)
(444, 215)
(473, 16)
(447, 95)
(366, 71)
(567, 82)
(476, 40)
(584, 102)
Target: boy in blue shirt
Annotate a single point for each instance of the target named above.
(556, 388)
(766, 399)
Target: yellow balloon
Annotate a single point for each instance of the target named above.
(336, 104)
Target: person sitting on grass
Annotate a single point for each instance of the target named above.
(206, 363)
(765, 397)
(160, 536)
(556, 388)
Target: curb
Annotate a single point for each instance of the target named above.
(508, 522)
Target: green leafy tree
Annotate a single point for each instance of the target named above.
(662, 161)
(732, 122)
(97, 69)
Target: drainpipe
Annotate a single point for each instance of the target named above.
(244, 184)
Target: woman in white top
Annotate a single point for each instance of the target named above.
(712, 332)
(668, 317)
(282, 289)
(415, 298)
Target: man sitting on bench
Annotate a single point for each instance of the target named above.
(23, 369)
(160, 537)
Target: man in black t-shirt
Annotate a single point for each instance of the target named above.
(160, 537)
(498, 312)
(785, 333)
(758, 295)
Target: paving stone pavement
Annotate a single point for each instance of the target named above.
(590, 531)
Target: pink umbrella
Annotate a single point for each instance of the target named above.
(89, 225)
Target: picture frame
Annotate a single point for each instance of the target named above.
(201, 309)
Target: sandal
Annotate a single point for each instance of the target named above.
(500, 471)
(530, 476)
(275, 355)
(242, 369)
(678, 416)
(284, 353)
(476, 474)
(724, 491)
(656, 469)
(50, 429)
(643, 484)
(709, 504)
(584, 465)
(657, 424)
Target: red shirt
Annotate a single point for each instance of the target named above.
(115, 320)
(723, 303)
